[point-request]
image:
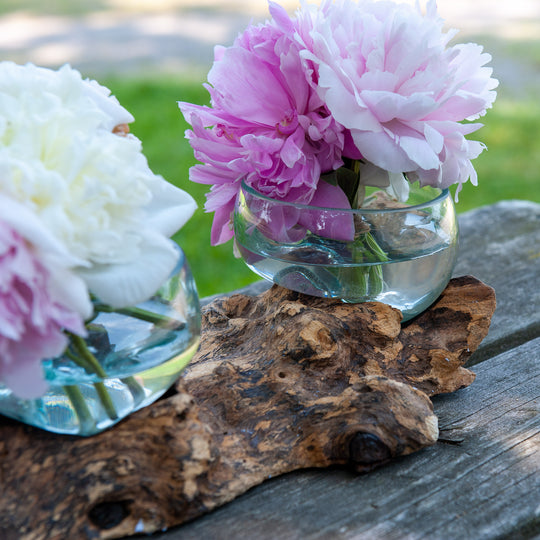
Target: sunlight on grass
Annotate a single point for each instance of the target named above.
(509, 169)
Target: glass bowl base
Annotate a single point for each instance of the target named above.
(129, 358)
(79, 409)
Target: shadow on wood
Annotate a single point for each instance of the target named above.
(282, 381)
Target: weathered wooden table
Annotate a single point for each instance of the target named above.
(482, 478)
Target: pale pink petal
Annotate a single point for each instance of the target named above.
(34, 309)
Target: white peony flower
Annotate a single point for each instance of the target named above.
(92, 188)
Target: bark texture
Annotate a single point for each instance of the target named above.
(282, 381)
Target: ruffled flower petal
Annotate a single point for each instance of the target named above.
(366, 80)
(266, 126)
(386, 72)
(40, 297)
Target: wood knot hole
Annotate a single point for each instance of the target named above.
(109, 514)
(367, 449)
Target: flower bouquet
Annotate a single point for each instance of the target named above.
(98, 309)
(330, 144)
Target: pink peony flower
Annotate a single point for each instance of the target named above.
(387, 74)
(267, 125)
(39, 298)
(365, 80)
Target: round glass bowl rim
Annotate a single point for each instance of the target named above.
(437, 199)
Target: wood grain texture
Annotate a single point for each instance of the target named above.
(498, 244)
(282, 382)
(481, 481)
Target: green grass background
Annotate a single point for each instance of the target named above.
(509, 169)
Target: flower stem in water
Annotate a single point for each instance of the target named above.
(368, 279)
(90, 363)
(86, 420)
(141, 314)
(81, 355)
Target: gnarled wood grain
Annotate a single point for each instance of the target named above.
(282, 381)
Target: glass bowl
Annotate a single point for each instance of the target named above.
(136, 354)
(401, 254)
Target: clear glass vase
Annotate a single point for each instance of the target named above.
(401, 254)
(128, 360)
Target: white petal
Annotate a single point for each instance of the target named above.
(122, 285)
(395, 184)
(170, 209)
(399, 187)
(30, 227)
(68, 286)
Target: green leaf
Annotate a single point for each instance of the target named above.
(348, 181)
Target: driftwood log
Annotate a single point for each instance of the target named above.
(282, 381)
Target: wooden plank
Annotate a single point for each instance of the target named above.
(480, 481)
(500, 245)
